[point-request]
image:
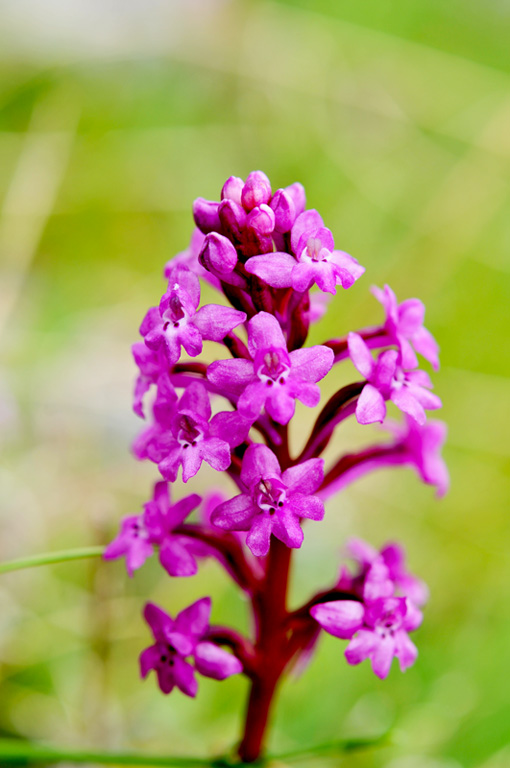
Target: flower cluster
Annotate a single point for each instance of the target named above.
(274, 263)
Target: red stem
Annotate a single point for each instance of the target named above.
(272, 649)
(373, 338)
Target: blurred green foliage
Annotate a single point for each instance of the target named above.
(396, 117)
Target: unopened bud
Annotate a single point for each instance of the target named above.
(232, 218)
(262, 220)
(218, 255)
(232, 189)
(284, 210)
(205, 214)
(256, 191)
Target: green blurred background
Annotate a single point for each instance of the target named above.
(114, 116)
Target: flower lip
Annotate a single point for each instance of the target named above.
(272, 365)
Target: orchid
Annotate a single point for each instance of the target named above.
(176, 640)
(264, 251)
(313, 260)
(140, 534)
(273, 378)
(387, 380)
(177, 323)
(273, 502)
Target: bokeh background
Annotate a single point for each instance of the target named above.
(114, 116)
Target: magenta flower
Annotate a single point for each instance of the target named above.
(274, 378)
(378, 630)
(177, 323)
(140, 534)
(404, 326)
(180, 639)
(315, 260)
(274, 502)
(387, 380)
(194, 437)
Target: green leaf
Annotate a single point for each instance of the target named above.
(49, 558)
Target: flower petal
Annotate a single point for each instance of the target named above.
(195, 398)
(287, 528)
(275, 269)
(253, 399)
(308, 221)
(382, 656)
(175, 558)
(312, 363)
(305, 477)
(158, 620)
(259, 536)
(235, 514)
(213, 661)
(259, 461)
(426, 345)
(194, 620)
(264, 331)
(215, 452)
(181, 509)
(214, 321)
(405, 650)
(360, 647)
(190, 338)
(231, 376)
(191, 459)
(280, 405)
(360, 355)
(407, 403)
(184, 676)
(306, 506)
(371, 406)
(341, 618)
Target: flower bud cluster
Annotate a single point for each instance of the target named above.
(272, 260)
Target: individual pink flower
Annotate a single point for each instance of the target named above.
(181, 649)
(195, 437)
(177, 322)
(154, 528)
(387, 380)
(315, 260)
(379, 630)
(274, 378)
(274, 502)
(404, 327)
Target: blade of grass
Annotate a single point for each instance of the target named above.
(49, 558)
(18, 752)
(332, 748)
